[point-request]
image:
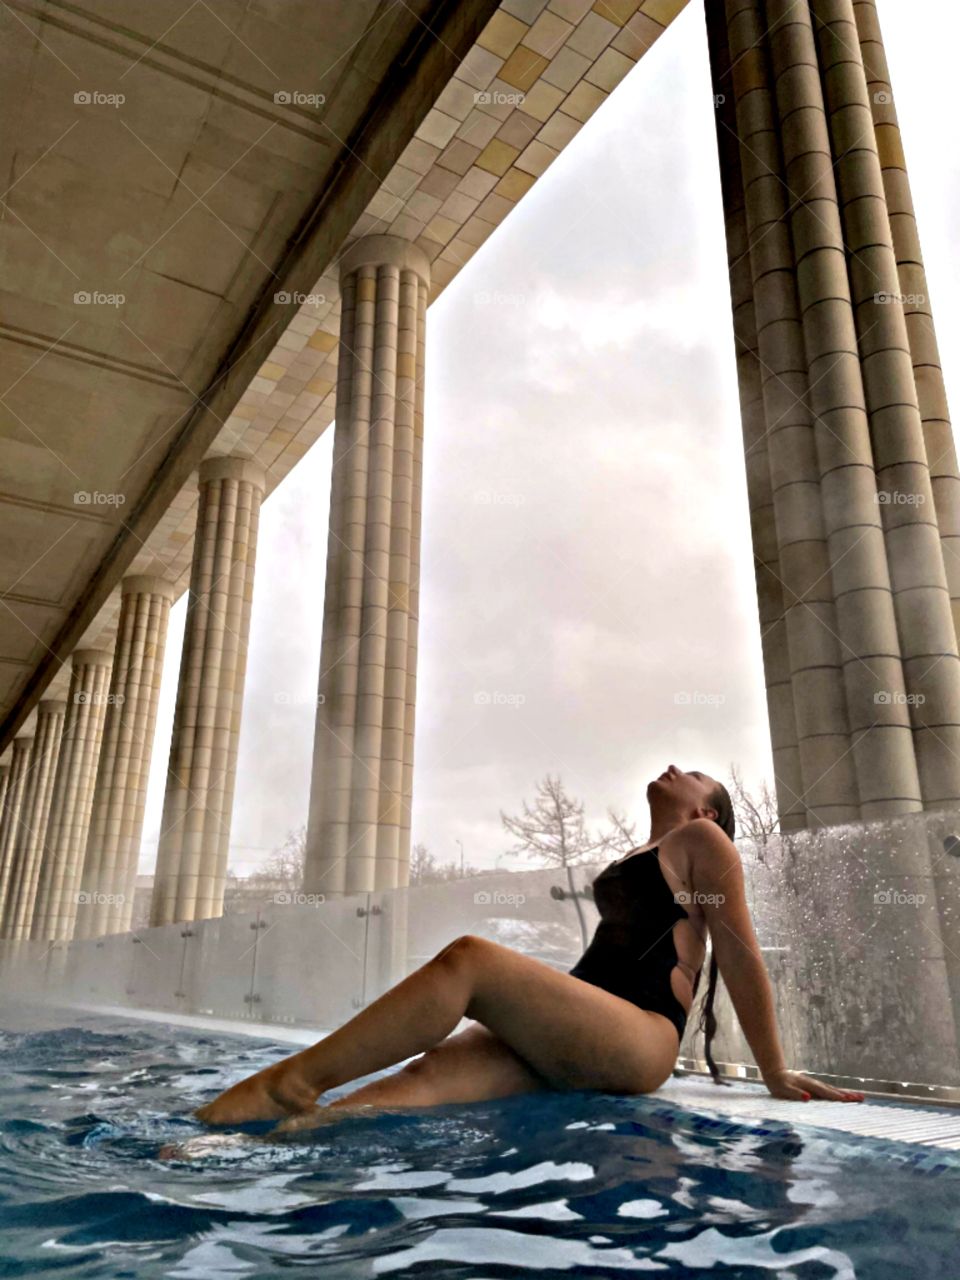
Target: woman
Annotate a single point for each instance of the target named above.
(613, 1023)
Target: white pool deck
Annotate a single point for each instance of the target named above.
(742, 1102)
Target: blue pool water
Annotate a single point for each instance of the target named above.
(545, 1185)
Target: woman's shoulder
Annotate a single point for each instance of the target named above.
(704, 847)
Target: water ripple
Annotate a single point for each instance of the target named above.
(547, 1184)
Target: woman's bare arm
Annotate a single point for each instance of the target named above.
(717, 876)
(717, 879)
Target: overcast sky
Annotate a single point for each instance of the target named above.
(586, 545)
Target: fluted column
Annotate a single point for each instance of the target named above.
(771, 598)
(810, 167)
(873, 674)
(921, 600)
(413, 619)
(358, 836)
(195, 834)
(72, 801)
(915, 297)
(4, 783)
(830, 787)
(10, 818)
(105, 898)
(32, 826)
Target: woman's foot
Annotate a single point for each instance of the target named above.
(314, 1117)
(274, 1093)
(219, 1145)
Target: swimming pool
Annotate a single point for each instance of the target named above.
(546, 1185)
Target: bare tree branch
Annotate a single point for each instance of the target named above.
(424, 868)
(756, 812)
(554, 830)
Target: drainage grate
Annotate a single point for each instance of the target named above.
(893, 1121)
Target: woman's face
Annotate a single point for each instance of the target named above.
(688, 791)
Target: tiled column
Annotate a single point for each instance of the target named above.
(70, 807)
(195, 834)
(105, 897)
(915, 294)
(10, 818)
(358, 836)
(32, 827)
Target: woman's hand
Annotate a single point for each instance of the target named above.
(800, 1088)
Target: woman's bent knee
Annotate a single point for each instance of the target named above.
(467, 946)
(422, 1067)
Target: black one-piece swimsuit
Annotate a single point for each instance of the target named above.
(632, 953)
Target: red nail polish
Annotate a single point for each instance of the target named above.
(806, 1097)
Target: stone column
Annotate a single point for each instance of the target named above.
(4, 783)
(413, 619)
(72, 801)
(846, 379)
(10, 818)
(358, 836)
(883, 746)
(771, 601)
(830, 788)
(921, 599)
(915, 297)
(195, 835)
(105, 898)
(32, 827)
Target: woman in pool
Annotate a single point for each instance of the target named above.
(612, 1024)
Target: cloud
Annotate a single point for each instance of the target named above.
(586, 552)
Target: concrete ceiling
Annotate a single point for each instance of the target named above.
(180, 181)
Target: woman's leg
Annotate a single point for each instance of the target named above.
(573, 1034)
(471, 1066)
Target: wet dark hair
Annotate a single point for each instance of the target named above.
(719, 800)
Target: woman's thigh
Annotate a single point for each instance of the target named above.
(573, 1034)
(469, 1066)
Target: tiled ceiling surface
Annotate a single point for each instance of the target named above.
(184, 199)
